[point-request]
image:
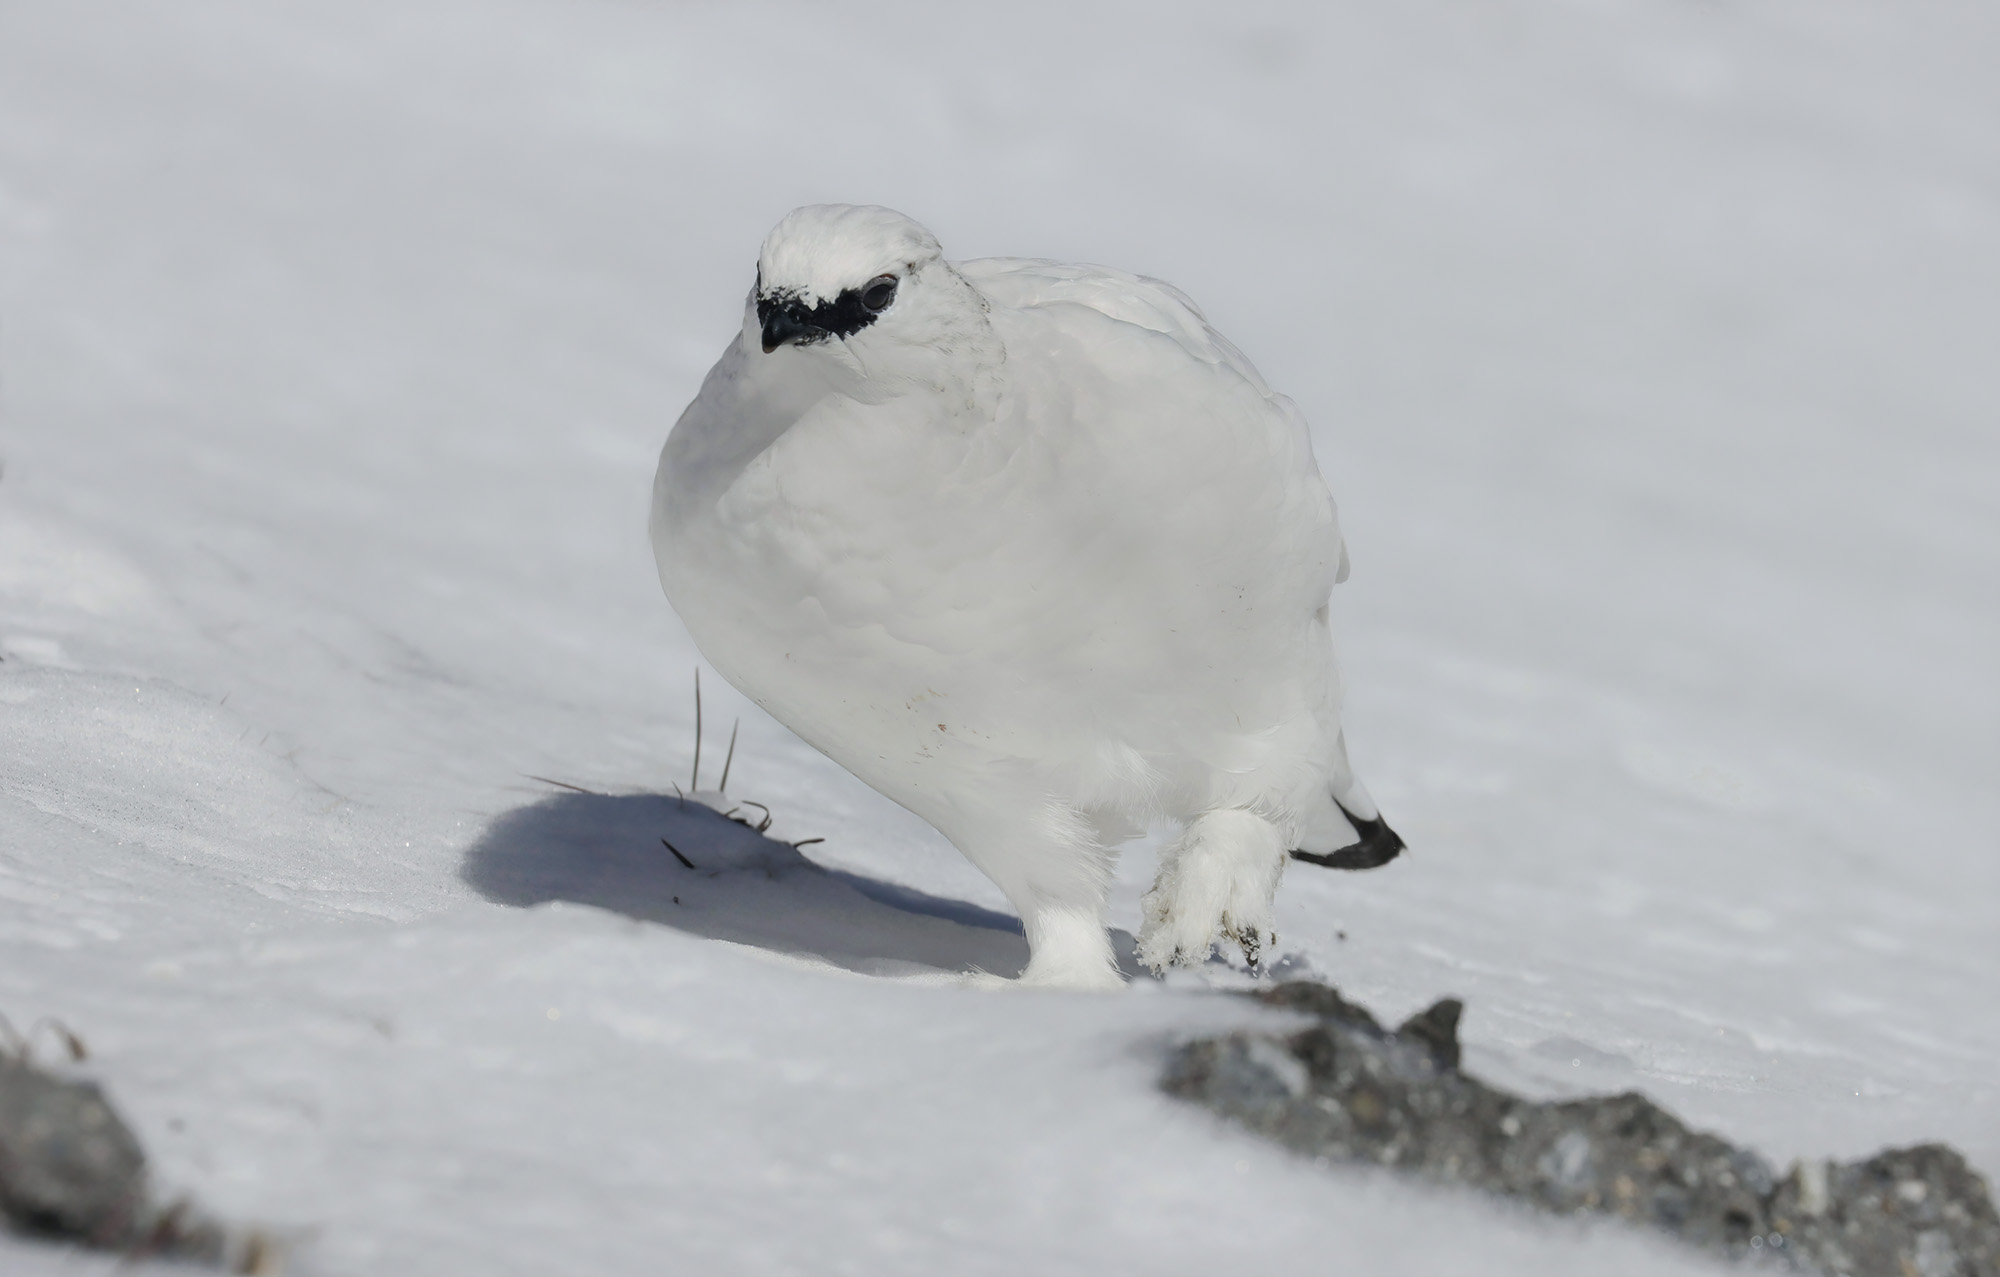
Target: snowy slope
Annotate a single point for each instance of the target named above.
(1647, 345)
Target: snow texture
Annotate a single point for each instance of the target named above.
(1648, 343)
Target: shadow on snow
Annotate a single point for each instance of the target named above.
(605, 850)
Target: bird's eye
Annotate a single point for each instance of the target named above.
(880, 292)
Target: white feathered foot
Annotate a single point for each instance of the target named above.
(1216, 882)
(1056, 870)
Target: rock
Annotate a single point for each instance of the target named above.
(1346, 1088)
(69, 1167)
(71, 1170)
(1437, 1028)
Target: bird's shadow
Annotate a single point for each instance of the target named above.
(678, 862)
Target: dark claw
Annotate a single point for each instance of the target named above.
(1378, 846)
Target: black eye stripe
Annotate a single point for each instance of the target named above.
(843, 316)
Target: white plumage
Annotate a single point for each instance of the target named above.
(1034, 551)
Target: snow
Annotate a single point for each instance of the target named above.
(1647, 349)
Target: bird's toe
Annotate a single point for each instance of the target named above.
(1254, 939)
(1171, 937)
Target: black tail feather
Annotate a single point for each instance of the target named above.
(1378, 845)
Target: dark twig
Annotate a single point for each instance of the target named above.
(677, 853)
(729, 757)
(806, 842)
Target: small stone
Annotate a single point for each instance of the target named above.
(1811, 1178)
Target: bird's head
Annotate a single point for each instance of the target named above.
(861, 287)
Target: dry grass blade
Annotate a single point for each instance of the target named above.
(559, 784)
(761, 825)
(729, 757)
(694, 782)
(63, 1034)
(22, 1045)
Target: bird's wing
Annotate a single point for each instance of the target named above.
(1115, 294)
(1139, 300)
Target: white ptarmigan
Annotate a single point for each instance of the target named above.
(1034, 551)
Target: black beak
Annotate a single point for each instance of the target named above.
(787, 324)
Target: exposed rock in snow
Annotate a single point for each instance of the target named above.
(1348, 1089)
(69, 1166)
(70, 1169)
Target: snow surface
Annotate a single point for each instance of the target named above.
(1649, 350)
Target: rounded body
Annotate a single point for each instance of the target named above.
(1056, 571)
